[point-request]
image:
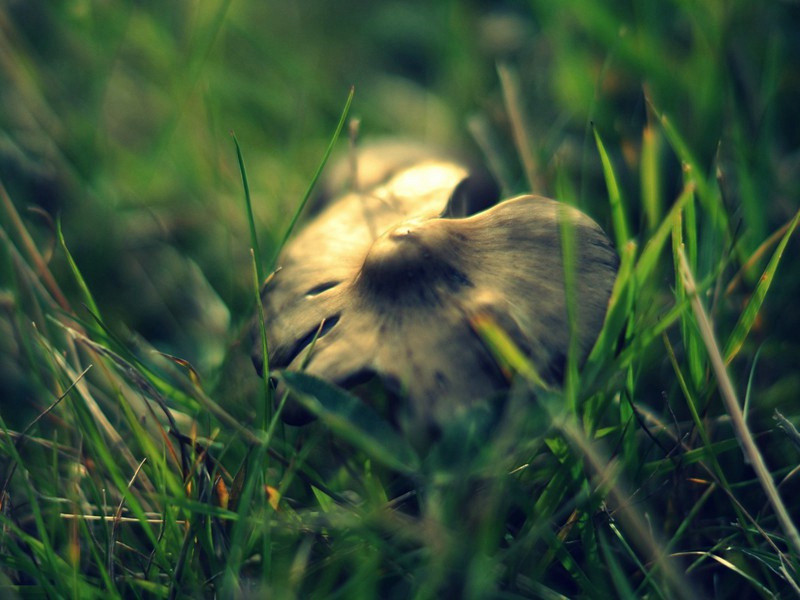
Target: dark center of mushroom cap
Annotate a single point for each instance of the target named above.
(409, 261)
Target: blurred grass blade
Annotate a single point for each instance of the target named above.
(264, 411)
(250, 217)
(618, 218)
(785, 425)
(352, 420)
(619, 306)
(87, 295)
(748, 317)
(33, 252)
(509, 82)
(765, 592)
(651, 251)
(316, 176)
(618, 576)
(650, 176)
(194, 376)
(505, 351)
(756, 256)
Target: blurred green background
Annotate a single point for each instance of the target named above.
(116, 116)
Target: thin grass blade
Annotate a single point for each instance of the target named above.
(316, 177)
(615, 200)
(748, 317)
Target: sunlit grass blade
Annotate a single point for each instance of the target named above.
(763, 590)
(317, 173)
(651, 176)
(756, 256)
(615, 200)
(505, 351)
(748, 317)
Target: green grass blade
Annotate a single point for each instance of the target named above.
(650, 176)
(748, 317)
(249, 206)
(615, 200)
(505, 351)
(652, 250)
(316, 177)
(619, 306)
(87, 295)
(265, 409)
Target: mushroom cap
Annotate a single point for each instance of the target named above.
(390, 278)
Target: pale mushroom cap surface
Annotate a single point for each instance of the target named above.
(397, 286)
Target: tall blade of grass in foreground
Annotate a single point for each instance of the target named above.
(748, 317)
(566, 196)
(732, 405)
(249, 206)
(692, 345)
(263, 414)
(615, 200)
(314, 179)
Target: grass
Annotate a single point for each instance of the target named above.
(141, 457)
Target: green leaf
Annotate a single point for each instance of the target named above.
(650, 176)
(352, 420)
(748, 316)
(87, 295)
(615, 200)
(250, 218)
(651, 251)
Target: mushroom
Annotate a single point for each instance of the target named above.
(388, 280)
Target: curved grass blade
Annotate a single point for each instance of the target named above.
(248, 204)
(87, 295)
(621, 233)
(316, 176)
(748, 316)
